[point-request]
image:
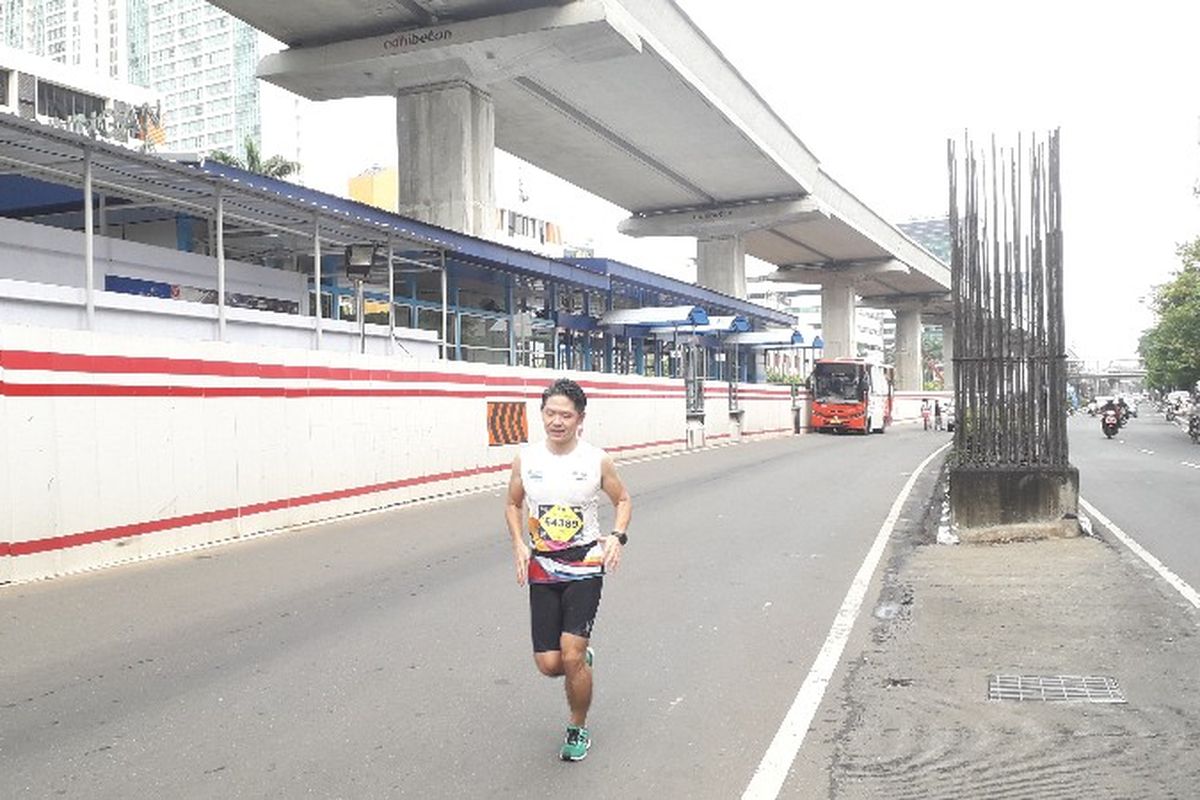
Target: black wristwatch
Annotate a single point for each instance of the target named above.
(622, 537)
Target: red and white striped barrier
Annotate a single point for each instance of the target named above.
(122, 448)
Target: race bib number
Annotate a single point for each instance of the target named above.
(558, 523)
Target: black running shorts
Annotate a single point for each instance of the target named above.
(563, 607)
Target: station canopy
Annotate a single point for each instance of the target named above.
(777, 338)
(655, 317)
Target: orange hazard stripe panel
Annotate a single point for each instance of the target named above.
(506, 423)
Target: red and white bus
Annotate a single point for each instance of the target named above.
(850, 394)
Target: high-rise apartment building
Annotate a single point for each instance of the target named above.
(202, 61)
(90, 34)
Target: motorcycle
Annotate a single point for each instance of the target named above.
(1194, 428)
(1109, 423)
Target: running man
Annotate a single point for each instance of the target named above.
(558, 481)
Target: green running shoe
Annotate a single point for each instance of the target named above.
(576, 745)
(589, 656)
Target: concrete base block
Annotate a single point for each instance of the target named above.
(1019, 532)
(1011, 503)
(695, 434)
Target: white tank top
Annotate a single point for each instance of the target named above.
(561, 500)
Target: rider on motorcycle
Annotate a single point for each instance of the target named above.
(1110, 417)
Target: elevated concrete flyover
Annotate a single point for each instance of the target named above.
(627, 99)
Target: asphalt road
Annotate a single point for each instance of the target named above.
(388, 655)
(1146, 479)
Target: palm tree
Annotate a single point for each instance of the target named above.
(273, 167)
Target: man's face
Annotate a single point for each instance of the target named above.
(560, 419)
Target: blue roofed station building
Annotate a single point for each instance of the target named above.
(191, 248)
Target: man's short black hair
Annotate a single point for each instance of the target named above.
(568, 389)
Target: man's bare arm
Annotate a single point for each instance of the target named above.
(513, 511)
(614, 487)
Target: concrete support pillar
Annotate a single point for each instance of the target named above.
(908, 350)
(721, 264)
(948, 356)
(446, 136)
(838, 326)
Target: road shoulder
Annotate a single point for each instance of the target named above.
(908, 714)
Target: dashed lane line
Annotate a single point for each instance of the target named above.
(1179, 584)
(773, 769)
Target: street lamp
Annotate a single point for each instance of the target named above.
(359, 259)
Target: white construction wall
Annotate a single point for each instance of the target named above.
(123, 447)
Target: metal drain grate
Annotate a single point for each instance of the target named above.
(1055, 688)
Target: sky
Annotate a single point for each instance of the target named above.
(874, 89)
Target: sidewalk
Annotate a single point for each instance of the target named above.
(908, 714)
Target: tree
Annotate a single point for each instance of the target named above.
(273, 167)
(1171, 349)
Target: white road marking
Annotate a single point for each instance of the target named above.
(1166, 574)
(773, 769)
(1147, 452)
(1190, 464)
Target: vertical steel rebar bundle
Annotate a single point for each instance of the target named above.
(1006, 279)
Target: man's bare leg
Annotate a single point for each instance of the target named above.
(571, 662)
(549, 663)
(578, 677)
